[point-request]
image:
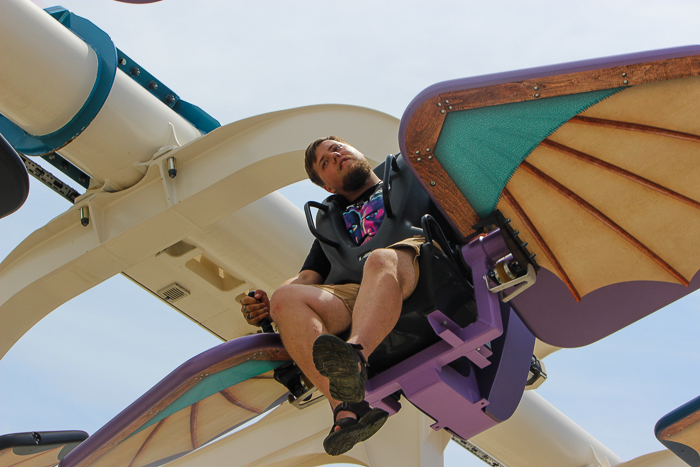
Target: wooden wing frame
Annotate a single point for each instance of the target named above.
(612, 195)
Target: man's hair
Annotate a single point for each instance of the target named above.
(310, 158)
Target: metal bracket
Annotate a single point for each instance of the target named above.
(305, 399)
(527, 281)
(50, 180)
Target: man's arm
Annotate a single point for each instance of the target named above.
(258, 307)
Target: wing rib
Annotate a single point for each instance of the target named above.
(237, 402)
(547, 143)
(604, 219)
(151, 435)
(193, 424)
(540, 241)
(652, 130)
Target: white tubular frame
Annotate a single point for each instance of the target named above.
(218, 175)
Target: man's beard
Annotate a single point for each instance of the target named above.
(357, 175)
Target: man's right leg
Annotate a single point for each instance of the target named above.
(302, 313)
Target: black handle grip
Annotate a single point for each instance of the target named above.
(430, 227)
(265, 324)
(312, 226)
(389, 165)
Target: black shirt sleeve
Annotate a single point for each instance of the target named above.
(317, 260)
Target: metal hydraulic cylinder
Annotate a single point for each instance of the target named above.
(49, 74)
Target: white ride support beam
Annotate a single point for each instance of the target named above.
(288, 437)
(539, 435)
(218, 175)
(536, 435)
(41, 90)
(47, 76)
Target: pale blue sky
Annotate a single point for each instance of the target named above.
(93, 356)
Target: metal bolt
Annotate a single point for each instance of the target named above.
(537, 88)
(122, 61)
(444, 323)
(135, 71)
(170, 99)
(524, 244)
(439, 104)
(419, 159)
(83, 178)
(478, 349)
(516, 232)
(153, 85)
(172, 169)
(84, 216)
(442, 111)
(625, 82)
(417, 152)
(449, 107)
(624, 74)
(432, 183)
(446, 101)
(430, 158)
(427, 149)
(537, 95)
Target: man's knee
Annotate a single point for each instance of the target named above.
(282, 300)
(396, 263)
(381, 260)
(389, 260)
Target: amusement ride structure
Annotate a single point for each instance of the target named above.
(552, 191)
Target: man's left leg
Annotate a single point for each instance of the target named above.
(389, 278)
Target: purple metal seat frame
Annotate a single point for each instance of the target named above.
(466, 405)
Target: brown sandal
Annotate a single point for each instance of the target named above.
(353, 431)
(344, 366)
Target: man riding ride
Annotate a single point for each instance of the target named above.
(310, 315)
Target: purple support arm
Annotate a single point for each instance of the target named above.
(451, 398)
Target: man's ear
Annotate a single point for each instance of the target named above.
(329, 189)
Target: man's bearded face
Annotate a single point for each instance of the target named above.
(357, 175)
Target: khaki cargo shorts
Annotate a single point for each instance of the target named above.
(348, 292)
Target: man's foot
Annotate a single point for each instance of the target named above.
(344, 366)
(347, 432)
